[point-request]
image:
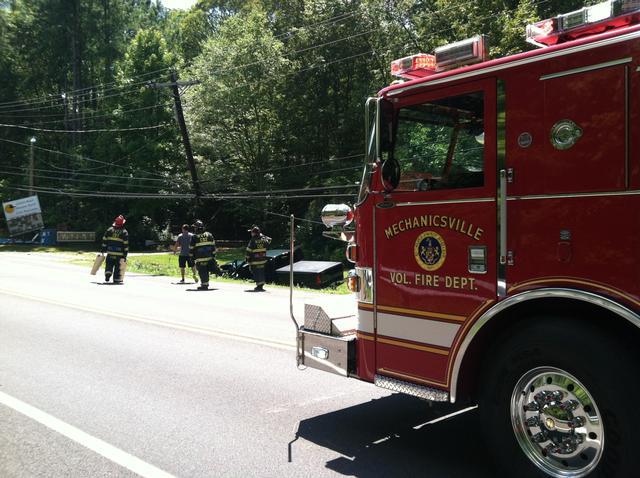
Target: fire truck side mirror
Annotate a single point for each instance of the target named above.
(336, 215)
(390, 174)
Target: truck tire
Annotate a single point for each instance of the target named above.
(557, 399)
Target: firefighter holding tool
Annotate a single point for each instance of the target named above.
(203, 248)
(256, 256)
(115, 244)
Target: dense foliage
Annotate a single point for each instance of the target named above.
(277, 112)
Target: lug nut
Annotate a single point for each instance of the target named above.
(540, 437)
(532, 407)
(569, 444)
(569, 405)
(553, 448)
(576, 422)
(533, 421)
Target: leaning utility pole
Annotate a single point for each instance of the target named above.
(174, 84)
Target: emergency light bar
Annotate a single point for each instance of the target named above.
(465, 52)
(414, 66)
(586, 21)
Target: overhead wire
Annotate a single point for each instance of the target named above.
(70, 103)
(271, 213)
(368, 52)
(116, 163)
(279, 191)
(302, 165)
(99, 130)
(328, 21)
(86, 89)
(85, 158)
(82, 181)
(126, 195)
(74, 173)
(350, 37)
(93, 116)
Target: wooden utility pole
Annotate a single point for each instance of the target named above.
(174, 84)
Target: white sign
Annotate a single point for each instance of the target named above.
(75, 236)
(21, 207)
(23, 215)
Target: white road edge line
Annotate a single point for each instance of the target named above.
(158, 322)
(101, 447)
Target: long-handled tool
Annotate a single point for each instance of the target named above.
(123, 269)
(97, 263)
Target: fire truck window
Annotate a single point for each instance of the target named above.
(440, 144)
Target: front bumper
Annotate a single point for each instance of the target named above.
(325, 352)
(327, 341)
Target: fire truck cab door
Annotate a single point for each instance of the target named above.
(435, 233)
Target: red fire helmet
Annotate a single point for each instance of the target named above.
(119, 221)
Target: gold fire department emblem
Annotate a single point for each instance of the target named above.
(430, 251)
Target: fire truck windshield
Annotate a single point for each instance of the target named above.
(438, 144)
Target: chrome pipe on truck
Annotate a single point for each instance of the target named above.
(299, 335)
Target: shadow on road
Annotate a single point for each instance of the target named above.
(384, 437)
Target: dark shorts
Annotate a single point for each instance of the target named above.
(184, 260)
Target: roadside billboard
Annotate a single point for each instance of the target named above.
(23, 215)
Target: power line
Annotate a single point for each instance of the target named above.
(127, 195)
(329, 21)
(74, 173)
(91, 117)
(86, 89)
(58, 192)
(82, 181)
(301, 165)
(102, 130)
(106, 194)
(86, 112)
(351, 168)
(267, 192)
(77, 102)
(350, 37)
(165, 179)
(114, 163)
(85, 158)
(297, 219)
(369, 52)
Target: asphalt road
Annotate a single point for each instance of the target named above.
(153, 380)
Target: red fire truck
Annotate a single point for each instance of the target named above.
(497, 243)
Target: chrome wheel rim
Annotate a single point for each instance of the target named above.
(557, 422)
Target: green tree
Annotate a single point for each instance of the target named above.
(234, 112)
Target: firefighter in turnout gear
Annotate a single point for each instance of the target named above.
(115, 243)
(257, 256)
(203, 249)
